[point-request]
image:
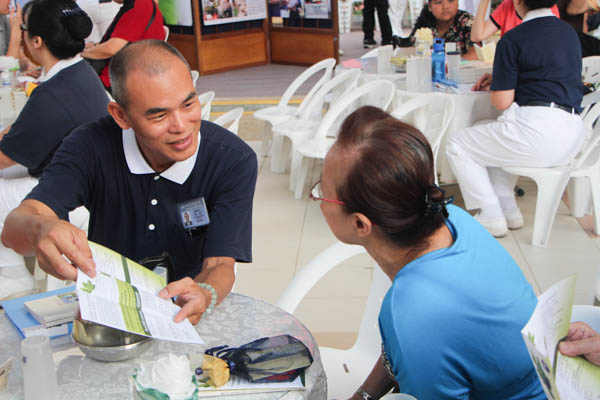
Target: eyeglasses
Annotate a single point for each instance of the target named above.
(24, 27)
(316, 193)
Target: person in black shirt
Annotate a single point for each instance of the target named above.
(69, 95)
(139, 171)
(536, 82)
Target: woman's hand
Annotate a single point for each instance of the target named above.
(15, 19)
(483, 83)
(582, 340)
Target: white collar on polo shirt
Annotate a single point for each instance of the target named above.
(178, 172)
(59, 66)
(540, 12)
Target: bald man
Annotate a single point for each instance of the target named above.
(138, 172)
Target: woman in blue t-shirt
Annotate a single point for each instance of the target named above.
(451, 322)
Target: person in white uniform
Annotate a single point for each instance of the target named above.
(102, 13)
(540, 93)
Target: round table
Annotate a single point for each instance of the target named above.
(238, 320)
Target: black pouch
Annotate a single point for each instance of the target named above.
(161, 261)
(271, 359)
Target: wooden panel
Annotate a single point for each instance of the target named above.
(186, 44)
(301, 47)
(232, 51)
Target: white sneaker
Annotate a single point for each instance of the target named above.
(514, 219)
(496, 226)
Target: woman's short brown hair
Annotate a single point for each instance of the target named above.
(390, 174)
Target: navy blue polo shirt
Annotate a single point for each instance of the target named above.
(541, 60)
(73, 97)
(136, 213)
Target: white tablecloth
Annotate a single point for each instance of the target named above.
(238, 320)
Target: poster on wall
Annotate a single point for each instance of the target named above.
(293, 9)
(225, 11)
(176, 12)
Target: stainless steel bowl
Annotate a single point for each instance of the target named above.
(104, 343)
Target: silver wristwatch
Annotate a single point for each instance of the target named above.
(363, 394)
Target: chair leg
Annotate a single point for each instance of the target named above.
(295, 167)
(579, 195)
(595, 186)
(301, 177)
(267, 135)
(279, 152)
(550, 190)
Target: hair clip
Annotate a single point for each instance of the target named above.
(72, 11)
(433, 207)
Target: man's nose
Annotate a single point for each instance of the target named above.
(176, 122)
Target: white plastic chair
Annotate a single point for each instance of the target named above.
(579, 187)
(304, 126)
(590, 69)
(431, 113)
(166, 29)
(551, 183)
(206, 99)
(231, 119)
(377, 93)
(273, 115)
(345, 369)
(195, 76)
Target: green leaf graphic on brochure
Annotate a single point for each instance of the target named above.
(88, 287)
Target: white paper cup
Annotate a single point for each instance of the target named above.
(39, 372)
(384, 55)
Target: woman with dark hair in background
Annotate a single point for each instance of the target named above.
(451, 322)
(446, 21)
(69, 95)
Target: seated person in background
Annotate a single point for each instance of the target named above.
(136, 20)
(448, 22)
(582, 340)
(137, 171)
(69, 95)
(10, 31)
(451, 322)
(504, 18)
(536, 81)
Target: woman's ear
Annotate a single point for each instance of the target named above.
(361, 224)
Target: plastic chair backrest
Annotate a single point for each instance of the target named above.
(369, 337)
(431, 114)
(325, 65)
(166, 29)
(377, 93)
(590, 153)
(231, 119)
(338, 86)
(309, 275)
(206, 99)
(590, 71)
(195, 76)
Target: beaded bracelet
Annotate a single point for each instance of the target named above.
(213, 296)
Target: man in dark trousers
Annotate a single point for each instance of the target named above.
(369, 22)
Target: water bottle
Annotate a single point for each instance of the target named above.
(438, 60)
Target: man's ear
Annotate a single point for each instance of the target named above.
(37, 42)
(362, 225)
(119, 115)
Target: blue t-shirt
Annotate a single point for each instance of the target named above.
(541, 60)
(451, 322)
(137, 215)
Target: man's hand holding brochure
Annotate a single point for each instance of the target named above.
(124, 295)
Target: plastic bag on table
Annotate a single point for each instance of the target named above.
(271, 359)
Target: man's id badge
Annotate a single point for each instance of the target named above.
(193, 214)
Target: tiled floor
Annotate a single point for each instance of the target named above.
(288, 233)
